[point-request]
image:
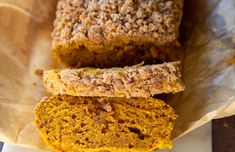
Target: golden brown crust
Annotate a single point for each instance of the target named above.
(135, 81)
(89, 124)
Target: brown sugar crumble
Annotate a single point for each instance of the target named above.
(231, 61)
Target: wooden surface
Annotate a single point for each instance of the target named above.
(223, 135)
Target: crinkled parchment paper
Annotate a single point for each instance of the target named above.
(207, 38)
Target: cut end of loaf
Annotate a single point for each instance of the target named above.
(72, 124)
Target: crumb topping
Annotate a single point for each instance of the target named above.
(99, 21)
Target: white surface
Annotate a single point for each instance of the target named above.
(197, 141)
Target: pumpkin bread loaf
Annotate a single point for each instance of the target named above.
(93, 124)
(101, 33)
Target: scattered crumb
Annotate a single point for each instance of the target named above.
(107, 107)
(231, 61)
(39, 72)
(34, 84)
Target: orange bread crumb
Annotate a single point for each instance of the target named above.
(88, 124)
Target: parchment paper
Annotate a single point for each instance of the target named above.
(207, 38)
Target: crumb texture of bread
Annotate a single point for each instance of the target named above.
(112, 27)
(118, 57)
(89, 124)
(135, 81)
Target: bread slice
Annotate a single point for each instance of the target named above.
(94, 124)
(135, 81)
(91, 32)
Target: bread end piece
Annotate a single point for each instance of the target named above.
(69, 123)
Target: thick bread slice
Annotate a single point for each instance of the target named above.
(135, 81)
(88, 124)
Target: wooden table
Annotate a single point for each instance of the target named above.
(223, 135)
